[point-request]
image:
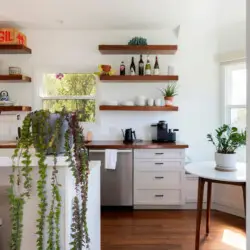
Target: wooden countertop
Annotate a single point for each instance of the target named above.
(138, 145)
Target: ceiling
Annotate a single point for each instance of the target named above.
(90, 14)
(112, 14)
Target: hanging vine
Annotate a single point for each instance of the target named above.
(37, 132)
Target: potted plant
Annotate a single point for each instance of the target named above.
(226, 141)
(169, 92)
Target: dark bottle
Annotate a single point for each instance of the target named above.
(156, 67)
(132, 67)
(122, 69)
(141, 66)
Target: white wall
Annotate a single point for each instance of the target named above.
(77, 51)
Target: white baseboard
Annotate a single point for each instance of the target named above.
(228, 209)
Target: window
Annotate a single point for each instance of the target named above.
(235, 94)
(72, 91)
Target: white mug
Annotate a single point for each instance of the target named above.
(158, 102)
(150, 102)
(171, 70)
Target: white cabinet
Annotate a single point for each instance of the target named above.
(159, 177)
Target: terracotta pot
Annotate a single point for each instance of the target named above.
(106, 68)
(168, 100)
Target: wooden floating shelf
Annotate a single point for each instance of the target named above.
(138, 49)
(14, 108)
(138, 108)
(14, 49)
(139, 78)
(15, 78)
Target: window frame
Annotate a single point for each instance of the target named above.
(227, 68)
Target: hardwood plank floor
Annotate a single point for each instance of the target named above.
(169, 230)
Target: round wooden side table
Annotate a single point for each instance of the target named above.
(207, 173)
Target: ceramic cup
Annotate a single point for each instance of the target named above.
(150, 101)
(158, 102)
(140, 100)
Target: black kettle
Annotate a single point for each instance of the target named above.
(129, 135)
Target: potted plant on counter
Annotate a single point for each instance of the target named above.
(169, 92)
(226, 141)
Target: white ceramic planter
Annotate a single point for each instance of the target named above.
(226, 162)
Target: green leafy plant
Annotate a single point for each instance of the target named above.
(138, 41)
(227, 139)
(38, 133)
(170, 90)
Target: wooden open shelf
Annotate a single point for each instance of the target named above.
(139, 78)
(15, 78)
(14, 49)
(138, 108)
(138, 49)
(14, 108)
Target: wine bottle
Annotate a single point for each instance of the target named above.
(132, 67)
(122, 69)
(156, 67)
(141, 66)
(148, 67)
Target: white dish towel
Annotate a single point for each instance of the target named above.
(110, 158)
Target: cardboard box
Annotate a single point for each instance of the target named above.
(12, 36)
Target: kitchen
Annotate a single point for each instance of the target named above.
(198, 100)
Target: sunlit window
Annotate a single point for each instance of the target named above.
(70, 91)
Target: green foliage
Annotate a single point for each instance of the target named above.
(71, 85)
(227, 139)
(37, 132)
(170, 90)
(138, 41)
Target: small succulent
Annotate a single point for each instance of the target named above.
(138, 41)
(170, 90)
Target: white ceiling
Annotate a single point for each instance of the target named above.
(90, 14)
(111, 14)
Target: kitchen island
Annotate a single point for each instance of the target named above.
(67, 192)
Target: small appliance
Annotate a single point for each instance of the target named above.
(161, 132)
(129, 135)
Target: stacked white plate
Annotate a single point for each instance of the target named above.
(6, 103)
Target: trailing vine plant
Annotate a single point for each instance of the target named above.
(37, 132)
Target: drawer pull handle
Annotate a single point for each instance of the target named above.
(159, 177)
(158, 163)
(159, 153)
(159, 195)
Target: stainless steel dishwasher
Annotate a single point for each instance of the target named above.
(116, 185)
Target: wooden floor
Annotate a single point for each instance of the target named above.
(169, 230)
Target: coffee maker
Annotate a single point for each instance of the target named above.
(161, 132)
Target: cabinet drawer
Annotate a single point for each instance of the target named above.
(158, 180)
(159, 153)
(157, 197)
(158, 165)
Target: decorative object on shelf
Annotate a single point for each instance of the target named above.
(148, 67)
(150, 102)
(158, 102)
(105, 69)
(132, 67)
(12, 36)
(138, 41)
(228, 139)
(15, 71)
(141, 67)
(45, 140)
(171, 70)
(4, 96)
(59, 76)
(169, 92)
(140, 100)
(122, 69)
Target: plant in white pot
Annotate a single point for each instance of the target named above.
(226, 141)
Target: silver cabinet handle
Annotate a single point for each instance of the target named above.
(159, 195)
(159, 153)
(158, 163)
(159, 177)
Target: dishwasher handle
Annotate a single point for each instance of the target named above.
(103, 151)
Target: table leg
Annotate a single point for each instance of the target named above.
(199, 212)
(209, 195)
(244, 196)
